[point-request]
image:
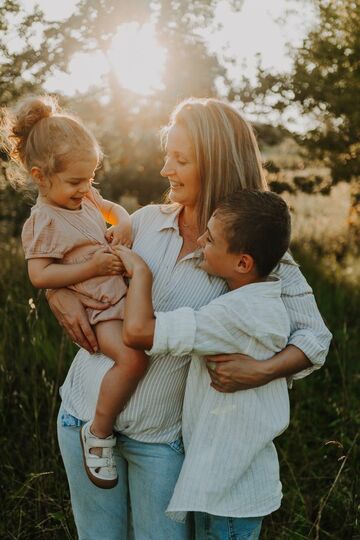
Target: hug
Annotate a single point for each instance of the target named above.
(175, 442)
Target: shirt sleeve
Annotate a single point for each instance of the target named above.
(308, 331)
(41, 238)
(201, 332)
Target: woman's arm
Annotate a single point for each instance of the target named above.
(233, 372)
(306, 350)
(69, 307)
(45, 273)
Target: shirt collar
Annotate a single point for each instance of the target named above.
(170, 213)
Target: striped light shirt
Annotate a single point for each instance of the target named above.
(153, 413)
(231, 466)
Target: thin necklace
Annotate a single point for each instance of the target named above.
(185, 225)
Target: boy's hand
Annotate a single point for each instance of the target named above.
(106, 263)
(119, 235)
(132, 261)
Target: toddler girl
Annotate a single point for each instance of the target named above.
(67, 244)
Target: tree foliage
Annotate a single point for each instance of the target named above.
(23, 68)
(325, 82)
(126, 124)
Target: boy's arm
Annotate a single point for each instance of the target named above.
(209, 330)
(179, 332)
(46, 273)
(139, 320)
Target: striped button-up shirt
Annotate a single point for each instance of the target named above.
(231, 466)
(153, 413)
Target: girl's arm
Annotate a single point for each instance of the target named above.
(45, 273)
(118, 217)
(69, 307)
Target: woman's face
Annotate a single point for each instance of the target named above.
(180, 168)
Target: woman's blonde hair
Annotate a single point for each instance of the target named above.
(225, 148)
(37, 133)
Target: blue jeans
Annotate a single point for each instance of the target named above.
(147, 476)
(209, 527)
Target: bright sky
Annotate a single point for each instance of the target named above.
(260, 27)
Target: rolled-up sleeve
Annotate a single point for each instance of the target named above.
(174, 332)
(210, 330)
(308, 331)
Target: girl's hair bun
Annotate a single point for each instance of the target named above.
(19, 122)
(30, 111)
(37, 133)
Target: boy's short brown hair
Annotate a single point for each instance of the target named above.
(257, 223)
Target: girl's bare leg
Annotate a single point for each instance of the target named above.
(120, 382)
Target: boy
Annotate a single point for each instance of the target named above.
(230, 457)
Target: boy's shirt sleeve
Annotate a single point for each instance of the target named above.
(209, 330)
(179, 342)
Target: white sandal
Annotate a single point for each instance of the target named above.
(100, 470)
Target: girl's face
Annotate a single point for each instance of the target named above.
(180, 168)
(67, 189)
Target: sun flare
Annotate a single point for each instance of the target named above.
(137, 59)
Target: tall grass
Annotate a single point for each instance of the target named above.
(34, 358)
(319, 452)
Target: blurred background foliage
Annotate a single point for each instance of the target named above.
(317, 172)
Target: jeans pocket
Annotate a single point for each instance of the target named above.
(68, 420)
(177, 446)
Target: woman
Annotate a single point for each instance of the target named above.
(210, 152)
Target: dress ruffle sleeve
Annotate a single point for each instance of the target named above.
(41, 238)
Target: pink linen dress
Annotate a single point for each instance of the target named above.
(73, 236)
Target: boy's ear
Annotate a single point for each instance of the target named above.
(37, 176)
(245, 263)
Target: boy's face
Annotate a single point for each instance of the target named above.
(217, 260)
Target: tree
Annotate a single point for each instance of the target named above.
(325, 82)
(130, 125)
(126, 125)
(24, 69)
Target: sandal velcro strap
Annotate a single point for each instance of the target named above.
(95, 462)
(101, 470)
(95, 442)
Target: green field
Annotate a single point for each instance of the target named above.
(319, 452)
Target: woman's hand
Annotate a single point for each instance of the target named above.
(131, 260)
(106, 263)
(233, 372)
(120, 234)
(69, 309)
